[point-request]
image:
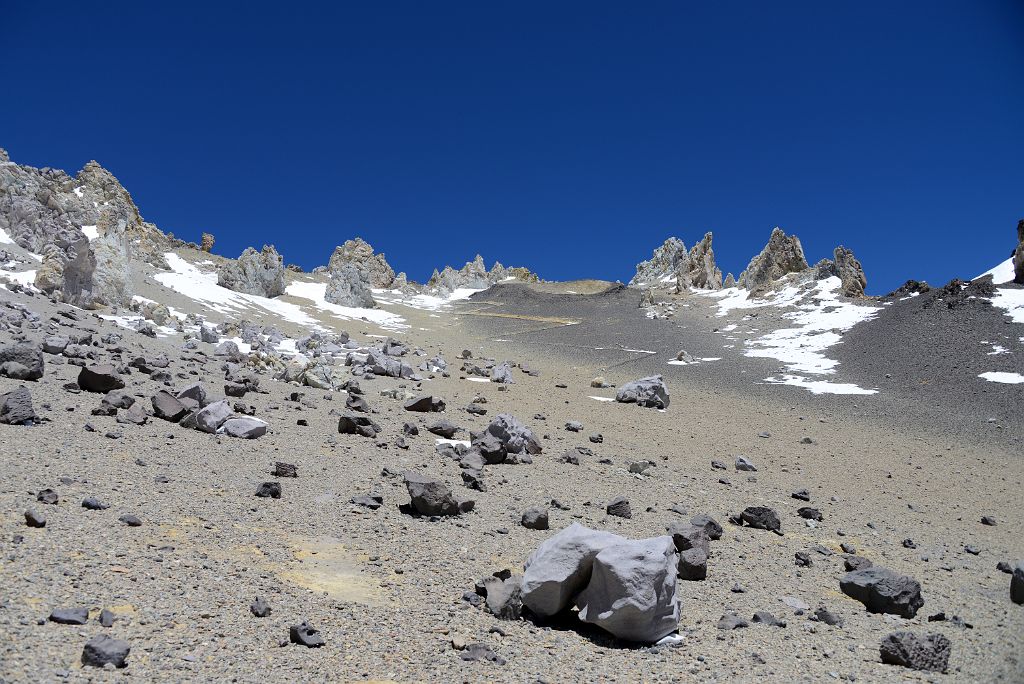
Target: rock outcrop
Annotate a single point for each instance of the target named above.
(781, 256)
(667, 260)
(672, 263)
(86, 228)
(475, 276)
(354, 270)
(256, 273)
(848, 269)
(702, 272)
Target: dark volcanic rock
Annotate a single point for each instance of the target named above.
(99, 378)
(433, 497)
(16, 408)
(21, 362)
(271, 490)
(929, 652)
(357, 425)
(168, 407)
(619, 507)
(535, 519)
(1017, 583)
(70, 616)
(762, 518)
(425, 404)
(306, 635)
(883, 591)
(101, 650)
(711, 526)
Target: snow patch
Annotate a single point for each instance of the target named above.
(5, 239)
(424, 302)
(453, 442)
(91, 232)
(317, 292)
(1006, 378)
(1012, 300)
(819, 386)
(1003, 273)
(602, 398)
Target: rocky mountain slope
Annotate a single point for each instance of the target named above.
(227, 469)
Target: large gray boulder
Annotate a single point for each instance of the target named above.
(649, 392)
(21, 361)
(632, 590)
(255, 273)
(782, 255)
(560, 568)
(883, 591)
(929, 652)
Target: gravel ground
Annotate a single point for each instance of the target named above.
(385, 588)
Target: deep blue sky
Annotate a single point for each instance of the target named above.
(568, 137)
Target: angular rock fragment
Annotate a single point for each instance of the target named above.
(504, 597)
(260, 608)
(21, 361)
(1017, 583)
(711, 526)
(269, 490)
(34, 518)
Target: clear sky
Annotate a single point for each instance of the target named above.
(570, 137)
